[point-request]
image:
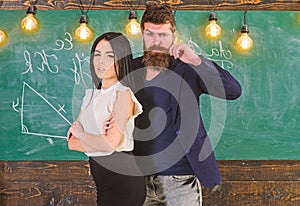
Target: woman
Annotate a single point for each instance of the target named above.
(110, 64)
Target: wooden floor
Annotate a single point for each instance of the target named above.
(57, 183)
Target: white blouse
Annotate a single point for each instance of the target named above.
(96, 107)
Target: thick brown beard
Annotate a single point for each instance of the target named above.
(157, 60)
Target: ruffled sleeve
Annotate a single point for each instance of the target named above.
(138, 109)
(127, 142)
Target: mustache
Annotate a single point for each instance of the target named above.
(158, 48)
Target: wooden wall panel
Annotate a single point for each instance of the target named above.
(262, 170)
(278, 5)
(247, 183)
(50, 193)
(256, 193)
(46, 183)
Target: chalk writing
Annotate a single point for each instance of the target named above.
(197, 49)
(45, 62)
(14, 105)
(62, 108)
(27, 58)
(219, 54)
(65, 44)
(224, 55)
(47, 58)
(77, 68)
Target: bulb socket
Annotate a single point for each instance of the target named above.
(245, 29)
(132, 15)
(83, 19)
(31, 10)
(212, 16)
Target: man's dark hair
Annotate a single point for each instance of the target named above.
(159, 14)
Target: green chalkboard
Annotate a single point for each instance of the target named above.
(43, 77)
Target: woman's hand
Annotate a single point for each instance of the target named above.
(77, 129)
(69, 134)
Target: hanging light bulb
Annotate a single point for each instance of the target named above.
(3, 38)
(244, 42)
(213, 30)
(83, 33)
(133, 27)
(30, 23)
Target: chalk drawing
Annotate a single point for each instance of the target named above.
(24, 128)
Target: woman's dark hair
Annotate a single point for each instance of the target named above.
(122, 55)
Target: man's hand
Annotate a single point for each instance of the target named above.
(185, 54)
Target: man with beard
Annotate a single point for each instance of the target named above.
(171, 144)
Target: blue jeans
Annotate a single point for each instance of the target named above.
(173, 190)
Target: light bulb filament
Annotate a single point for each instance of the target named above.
(244, 42)
(133, 27)
(213, 30)
(3, 38)
(83, 33)
(29, 23)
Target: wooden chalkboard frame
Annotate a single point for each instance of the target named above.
(276, 5)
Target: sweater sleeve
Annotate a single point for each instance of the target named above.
(216, 81)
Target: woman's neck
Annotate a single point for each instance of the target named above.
(108, 83)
